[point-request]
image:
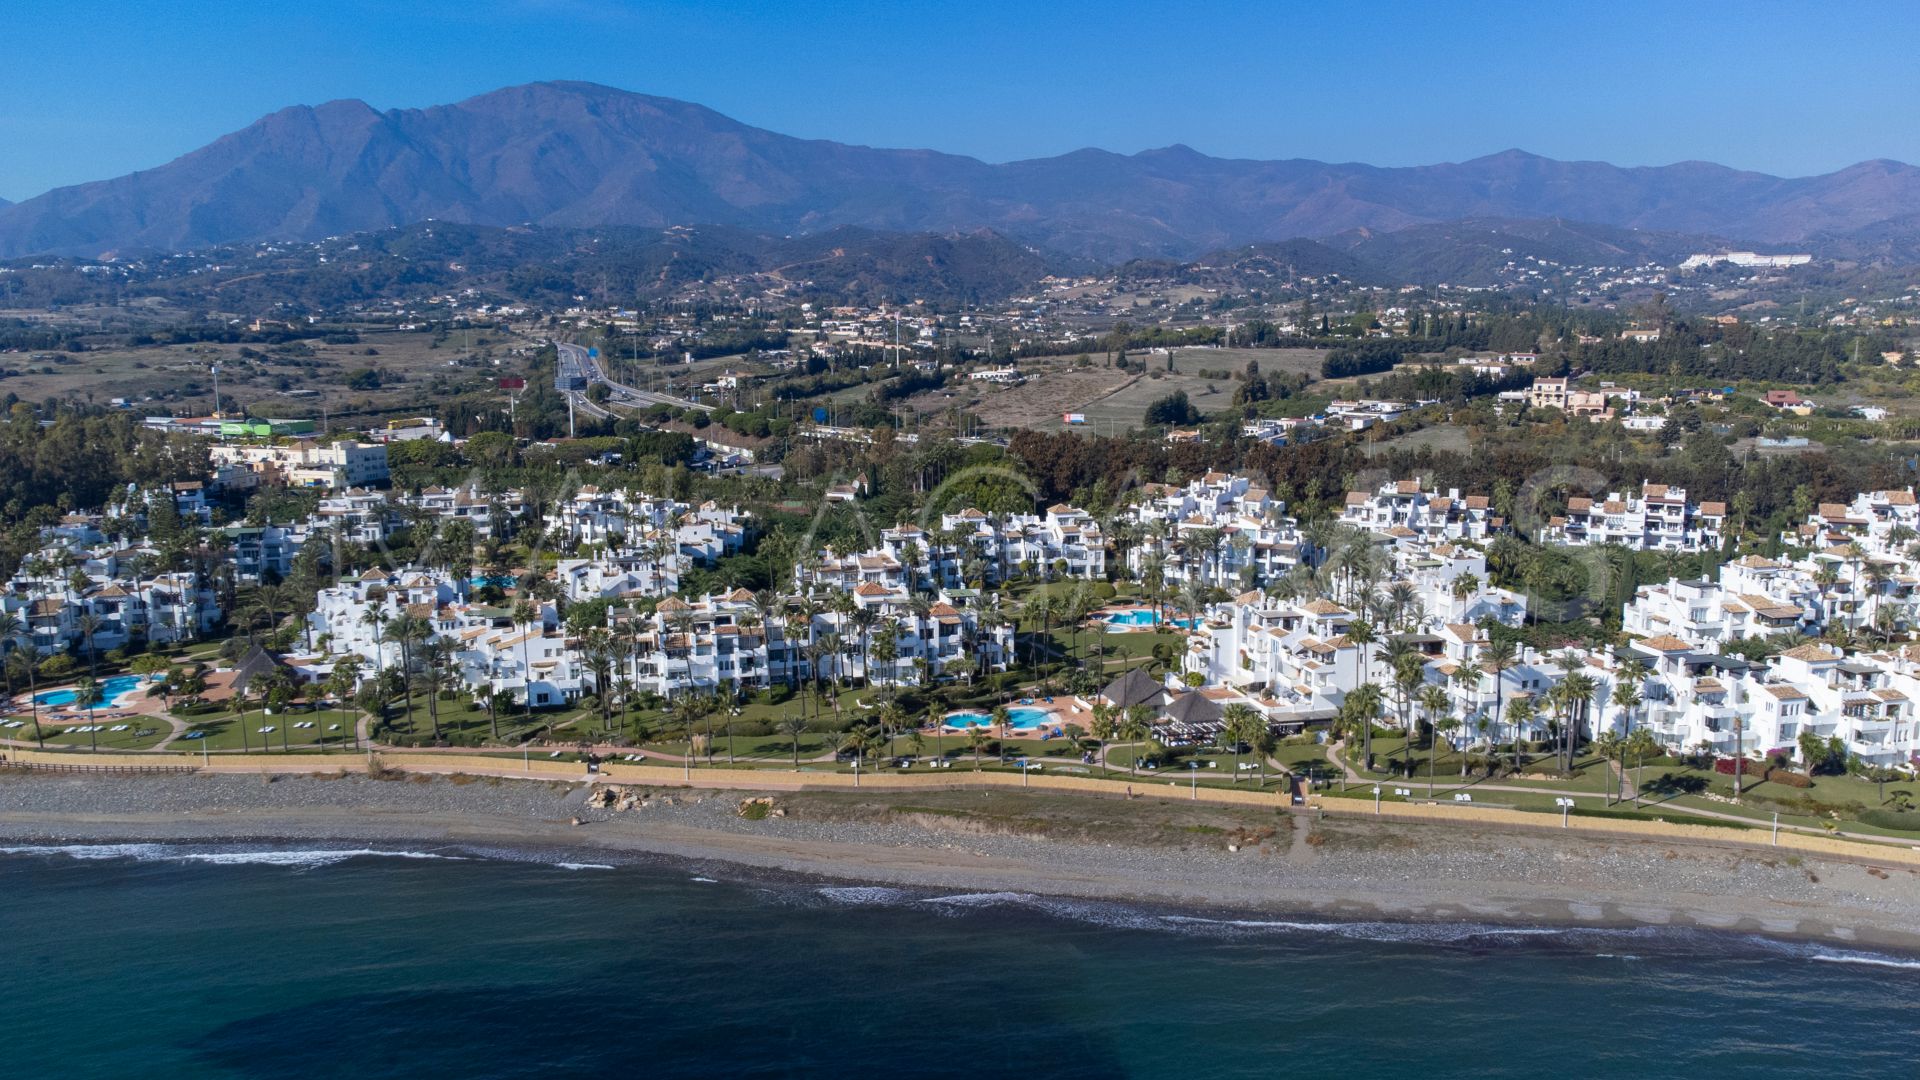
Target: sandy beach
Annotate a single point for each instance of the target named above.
(1164, 852)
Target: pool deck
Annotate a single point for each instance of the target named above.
(131, 703)
(1065, 711)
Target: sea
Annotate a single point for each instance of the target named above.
(149, 960)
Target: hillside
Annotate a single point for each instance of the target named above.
(571, 155)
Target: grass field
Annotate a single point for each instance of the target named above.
(294, 380)
(1194, 361)
(1114, 400)
(226, 731)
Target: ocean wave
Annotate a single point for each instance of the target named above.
(987, 899)
(1095, 912)
(1869, 959)
(300, 859)
(863, 894)
(582, 866)
(1417, 933)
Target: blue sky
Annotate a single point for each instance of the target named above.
(1784, 88)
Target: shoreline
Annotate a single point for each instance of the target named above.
(1282, 866)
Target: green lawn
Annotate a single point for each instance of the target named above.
(142, 733)
(229, 731)
(1589, 774)
(462, 723)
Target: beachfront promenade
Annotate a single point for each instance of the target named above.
(1747, 834)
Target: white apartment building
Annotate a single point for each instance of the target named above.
(1221, 530)
(1659, 518)
(305, 463)
(1426, 514)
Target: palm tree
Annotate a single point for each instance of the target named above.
(1433, 700)
(89, 625)
(1578, 689)
(1361, 707)
(793, 726)
(597, 649)
(376, 616)
(1626, 694)
(975, 737)
(1739, 751)
(20, 665)
(1642, 745)
(863, 619)
(687, 712)
(86, 693)
(523, 616)
(1137, 727)
(1609, 745)
(1237, 727)
(405, 631)
(1519, 715)
(434, 655)
(1361, 633)
(1501, 655)
(240, 707)
(937, 722)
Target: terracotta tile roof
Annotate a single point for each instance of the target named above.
(1769, 607)
(1811, 653)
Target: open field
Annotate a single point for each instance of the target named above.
(296, 379)
(1443, 437)
(1052, 387)
(1194, 361)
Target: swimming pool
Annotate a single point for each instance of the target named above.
(1144, 617)
(109, 690)
(1020, 718)
(502, 581)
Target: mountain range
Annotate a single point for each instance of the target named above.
(569, 154)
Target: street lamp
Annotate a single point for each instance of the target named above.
(1566, 807)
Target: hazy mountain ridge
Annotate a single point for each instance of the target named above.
(575, 154)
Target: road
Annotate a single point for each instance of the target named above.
(577, 366)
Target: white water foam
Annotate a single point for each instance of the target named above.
(1868, 959)
(863, 894)
(297, 859)
(583, 866)
(1430, 933)
(705, 880)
